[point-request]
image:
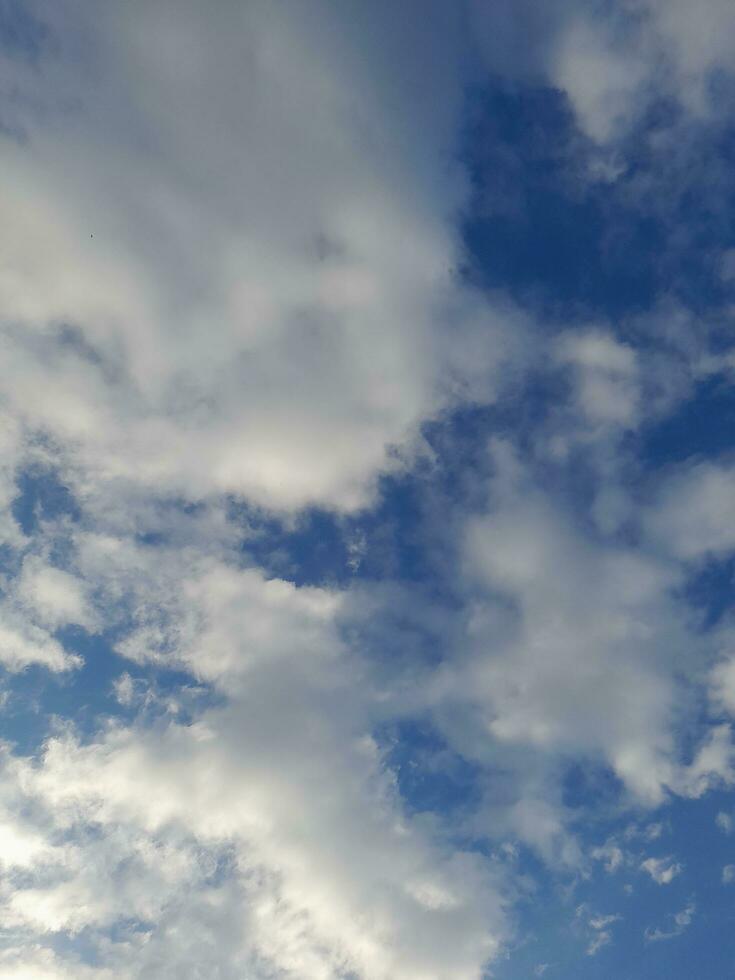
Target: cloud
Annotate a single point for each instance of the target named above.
(599, 941)
(269, 825)
(680, 922)
(597, 927)
(613, 62)
(611, 855)
(145, 222)
(314, 834)
(562, 664)
(693, 514)
(232, 289)
(662, 870)
(725, 822)
(22, 644)
(54, 596)
(606, 377)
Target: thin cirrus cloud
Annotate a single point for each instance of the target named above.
(352, 624)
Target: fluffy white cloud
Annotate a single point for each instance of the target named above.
(602, 72)
(23, 643)
(285, 786)
(229, 265)
(694, 515)
(605, 378)
(52, 595)
(612, 61)
(269, 829)
(35, 604)
(560, 634)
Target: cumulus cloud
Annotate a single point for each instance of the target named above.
(693, 516)
(606, 377)
(271, 821)
(303, 829)
(220, 281)
(575, 619)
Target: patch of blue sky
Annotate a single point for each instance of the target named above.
(534, 228)
(21, 33)
(36, 701)
(701, 427)
(563, 916)
(42, 496)
(542, 227)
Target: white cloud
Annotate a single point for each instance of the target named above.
(22, 643)
(722, 676)
(560, 663)
(728, 874)
(597, 927)
(599, 941)
(606, 377)
(229, 267)
(612, 856)
(222, 279)
(613, 61)
(33, 962)
(55, 597)
(694, 514)
(725, 822)
(276, 804)
(330, 873)
(680, 921)
(35, 604)
(662, 870)
(601, 73)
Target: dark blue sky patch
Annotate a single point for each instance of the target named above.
(42, 497)
(709, 591)
(431, 776)
(21, 34)
(572, 245)
(313, 551)
(538, 226)
(591, 788)
(701, 427)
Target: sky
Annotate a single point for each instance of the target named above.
(367, 537)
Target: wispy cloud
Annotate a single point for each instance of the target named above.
(680, 921)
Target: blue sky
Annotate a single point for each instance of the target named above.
(367, 537)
